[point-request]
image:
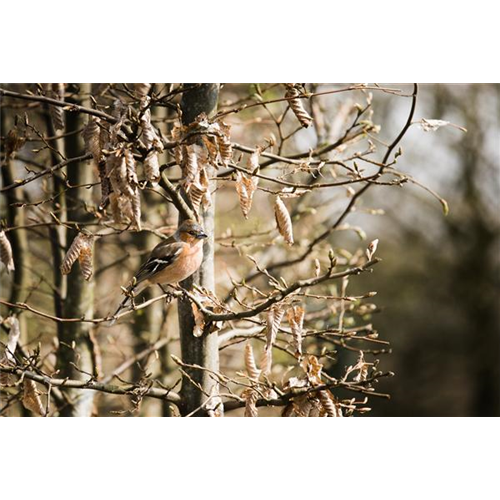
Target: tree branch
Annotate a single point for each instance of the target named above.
(55, 102)
(210, 316)
(93, 385)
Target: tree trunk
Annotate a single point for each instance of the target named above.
(202, 351)
(17, 238)
(75, 356)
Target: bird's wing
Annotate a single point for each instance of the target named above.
(163, 255)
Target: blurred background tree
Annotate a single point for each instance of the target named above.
(441, 295)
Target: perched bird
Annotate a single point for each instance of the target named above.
(171, 261)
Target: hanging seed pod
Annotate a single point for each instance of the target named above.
(251, 367)
(295, 103)
(283, 220)
(6, 252)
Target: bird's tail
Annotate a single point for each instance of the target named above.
(132, 291)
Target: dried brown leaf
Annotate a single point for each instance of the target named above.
(283, 220)
(274, 317)
(211, 147)
(135, 203)
(85, 257)
(149, 135)
(330, 404)
(245, 187)
(190, 166)
(131, 168)
(295, 317)
(253, 160)
(251, 397)
(199, 193)
(116, 170)
(92, 139)
(266, 360)
(297, 106)
(313, 369)
(31, 398)
(81, 249)
(224, 144)
(251, 367)
(121, 208)
(6, 252)
(152, 168)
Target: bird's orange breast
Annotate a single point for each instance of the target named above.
(184, 266)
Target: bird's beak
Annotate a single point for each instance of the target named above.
(202, 236)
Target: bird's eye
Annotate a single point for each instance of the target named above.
(192, 233)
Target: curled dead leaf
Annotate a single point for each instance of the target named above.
(31, 398)
(251, 397)
(295, 317)
(251, 367)
(245, 187)
(283, 220)
(81, 249)
(6, 255)
(292, 94)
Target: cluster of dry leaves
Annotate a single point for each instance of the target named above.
(31, 396)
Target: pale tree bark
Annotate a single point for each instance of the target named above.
(76, 353)
(202, 351)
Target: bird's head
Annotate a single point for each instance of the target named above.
(190, 231)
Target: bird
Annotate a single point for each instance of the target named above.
(171, 261)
